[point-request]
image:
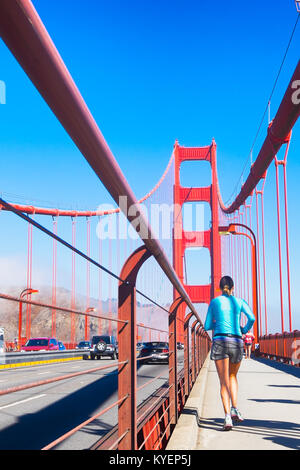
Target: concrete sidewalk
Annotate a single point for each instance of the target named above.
(269, 399)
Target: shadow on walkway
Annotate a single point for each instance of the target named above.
(287, 368)
(286, 434)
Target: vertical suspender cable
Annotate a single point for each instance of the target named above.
(88, 251)
(240, 258)
(287, 244)
(247, 258)
(244, 264)
(29, 280)
(109, 277)
(264, 262)
(279, 243)
(250, 226)
(100, 307)
(258, 258)
(54, 274)
(73, 294)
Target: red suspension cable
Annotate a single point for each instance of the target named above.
(73, 293)
(88, 251)
(258, 258)
(29, 280)
(54, 275)
(287, 244)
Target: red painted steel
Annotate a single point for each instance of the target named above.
(173, 379)
(258, 261)
(232, 228)
(26, 36)
(278, 134)
(283, 163)
(193, 332)
(279, 247)
(264, 260)
(209, 239)
(287, 246)
(127, 334)
(281, 347)
(54, 276)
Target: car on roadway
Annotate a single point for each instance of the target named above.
(104, 345)
(180, 345)
(61, 345)
(41, 344)
(155, 351)
(83, 345)
(139, 347)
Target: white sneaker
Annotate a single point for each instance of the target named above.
(227, 426)
(236, 415)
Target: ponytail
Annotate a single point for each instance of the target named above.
(226, 285)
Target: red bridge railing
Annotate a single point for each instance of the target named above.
(281, 347)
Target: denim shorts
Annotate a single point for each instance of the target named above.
(221, 349)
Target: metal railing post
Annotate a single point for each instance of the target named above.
(198, 363)
(194, 351)
(173, 378)
(187, 381)
(127, 333)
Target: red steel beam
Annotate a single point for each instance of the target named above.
(127, 375)
(278, 134)
(173, 375)
(26, 36)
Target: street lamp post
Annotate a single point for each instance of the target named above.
(24, 292)
(90, 309)
(231, 229)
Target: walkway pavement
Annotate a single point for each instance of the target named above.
(269, 399)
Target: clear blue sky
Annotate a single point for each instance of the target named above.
(151, 72)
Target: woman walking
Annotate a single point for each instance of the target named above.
(248, 340)
(224, 317)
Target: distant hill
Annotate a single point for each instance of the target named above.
(41, 318)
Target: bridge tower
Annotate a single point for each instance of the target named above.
(209, 239)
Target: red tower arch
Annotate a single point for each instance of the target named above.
(209, 239)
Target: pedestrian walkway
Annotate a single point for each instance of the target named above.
(269, 399)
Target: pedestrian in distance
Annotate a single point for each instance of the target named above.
(248, 341)
(224, 319)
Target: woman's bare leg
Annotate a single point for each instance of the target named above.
(222, 366)
(233, 383)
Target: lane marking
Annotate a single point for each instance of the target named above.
(26, 364)
(22, 401)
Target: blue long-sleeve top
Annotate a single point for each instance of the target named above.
(224, 316)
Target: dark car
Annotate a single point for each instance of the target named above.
(180, 345)
(155, 351)
(83, 345)
(104, 345)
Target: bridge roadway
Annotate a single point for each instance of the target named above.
(269, 399)
(32, 418)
